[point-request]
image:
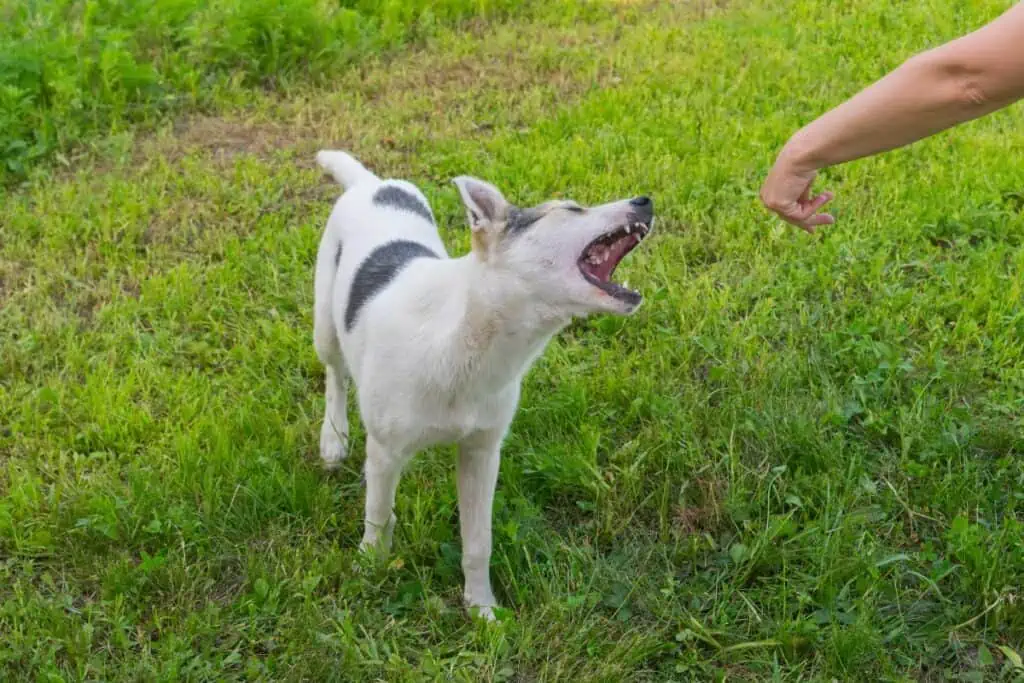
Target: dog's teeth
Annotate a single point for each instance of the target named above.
(629, 229)
(599, 255)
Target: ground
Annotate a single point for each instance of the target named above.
(800, 460)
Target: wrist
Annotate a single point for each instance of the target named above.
(799, 154)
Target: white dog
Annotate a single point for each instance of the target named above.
(437, 347)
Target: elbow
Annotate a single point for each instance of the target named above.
(969, 93)
(974, 96)
(957, 80)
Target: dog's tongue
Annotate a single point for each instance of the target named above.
(602, 258)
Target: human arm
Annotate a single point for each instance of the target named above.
(935, 90)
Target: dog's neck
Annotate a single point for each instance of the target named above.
(503, 326)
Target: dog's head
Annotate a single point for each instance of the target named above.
(563, 252)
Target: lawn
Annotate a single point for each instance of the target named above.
(801, 460)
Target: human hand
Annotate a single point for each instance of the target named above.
(787, 192)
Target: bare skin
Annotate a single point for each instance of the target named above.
(962, 80)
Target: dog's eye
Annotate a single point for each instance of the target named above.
(574, 208)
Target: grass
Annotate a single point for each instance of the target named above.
(69, 70)
(801, 460)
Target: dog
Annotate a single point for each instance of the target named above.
(437, 347)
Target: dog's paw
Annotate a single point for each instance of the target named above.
(482, 612)
(377, 539)
(373, 554)
(333, 447)
(480, 603)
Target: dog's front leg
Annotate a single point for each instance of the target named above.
(479, 458)
(383, 469)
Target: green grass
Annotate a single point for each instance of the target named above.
(70, 69)
(801, 460)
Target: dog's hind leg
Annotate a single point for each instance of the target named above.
(334, 430)
(383, 469)
(479, 457)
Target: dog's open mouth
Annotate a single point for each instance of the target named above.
(599, 259)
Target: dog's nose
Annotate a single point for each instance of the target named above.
(642, 209)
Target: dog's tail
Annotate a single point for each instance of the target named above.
(344, 168)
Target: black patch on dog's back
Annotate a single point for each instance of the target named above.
(375, 273)
(397, 198)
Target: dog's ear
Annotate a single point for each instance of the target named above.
(486, 207)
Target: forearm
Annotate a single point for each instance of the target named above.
(919, 99)
(957, 82)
